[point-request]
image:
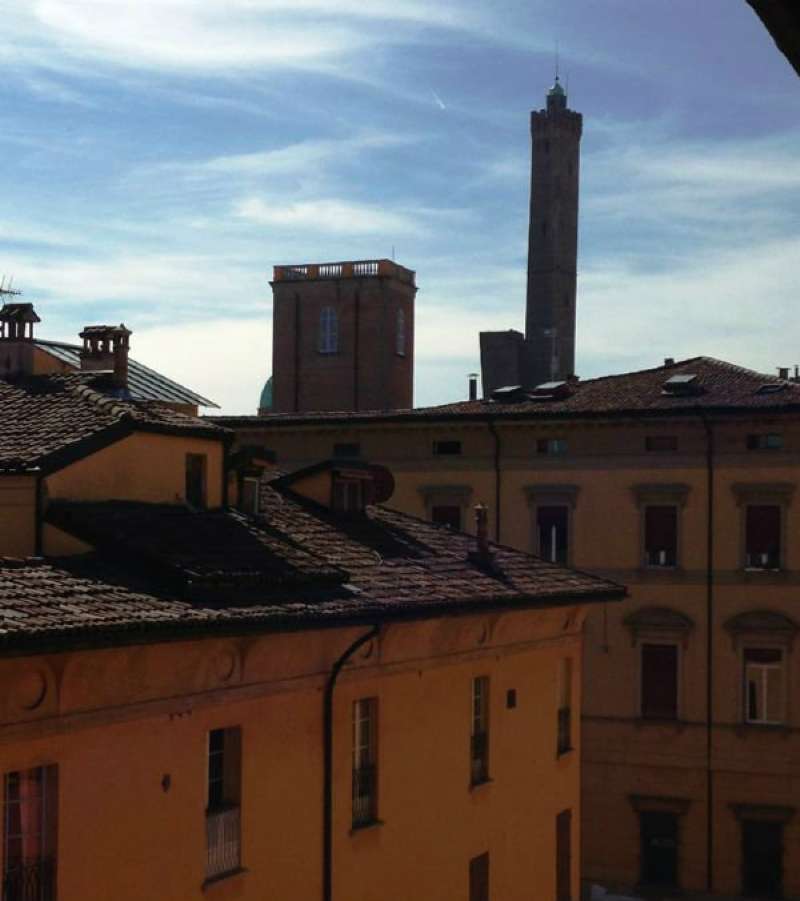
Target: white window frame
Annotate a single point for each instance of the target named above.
(765, 669)
(328, 330)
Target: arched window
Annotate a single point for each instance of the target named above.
(328, 331)
(400, 337)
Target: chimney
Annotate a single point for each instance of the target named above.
(796, 377)
(473, 386)
(482, 532)
(783, 373)
(16, 338)
(669, 361)
(105, 349)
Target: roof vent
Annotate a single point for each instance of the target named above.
(551, 391)
(772, 388)
(683, 385)
(510, 394)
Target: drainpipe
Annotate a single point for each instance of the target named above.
(327, 728)
(709, 651)
(496, 436)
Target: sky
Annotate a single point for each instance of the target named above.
(160, 157)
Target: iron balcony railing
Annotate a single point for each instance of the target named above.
(223, 829)
(349, 269)
(35, 881)
(365, 807)
(564, 730)
(479, 756)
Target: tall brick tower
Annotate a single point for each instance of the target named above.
(553, 240)
(342, 337)
(546, 352)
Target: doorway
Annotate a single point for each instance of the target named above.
(659, 836)
(762, 859)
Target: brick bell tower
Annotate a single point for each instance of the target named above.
(342, 337)
(553, 240)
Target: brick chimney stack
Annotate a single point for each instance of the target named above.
(105, 349)
(16, 338)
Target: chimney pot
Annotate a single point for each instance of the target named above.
(482, 531)
(473, 386)
(669, 361)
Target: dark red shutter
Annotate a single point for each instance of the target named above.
(661, 533)
(479, 878)
(763, 530)
(447, 515)
(660, 681)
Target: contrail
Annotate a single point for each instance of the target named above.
(438, 100)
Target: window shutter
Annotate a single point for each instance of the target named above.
(763, 529)
(660, 681)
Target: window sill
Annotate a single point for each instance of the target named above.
(476, 786)
(564, 753)
(745, 729)
(357, 828)
(222, 877)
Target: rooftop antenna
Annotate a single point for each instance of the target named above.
(393, 253)
(557, 59)
(7, 288)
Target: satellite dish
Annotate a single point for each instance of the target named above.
(383, 482)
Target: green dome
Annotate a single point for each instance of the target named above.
(557, 90)
(266, 396)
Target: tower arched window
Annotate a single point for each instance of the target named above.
(400, 337)
(328, 331)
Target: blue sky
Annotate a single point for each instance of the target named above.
(159, 157)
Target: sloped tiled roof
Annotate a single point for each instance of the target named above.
(143, 383)
(47, 418)
(298, 565)
(722, 387)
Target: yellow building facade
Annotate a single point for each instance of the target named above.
(320, 700)
(690, 720)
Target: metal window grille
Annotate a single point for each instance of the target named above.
(223, 840)
(365, 771)
(479, 738)
(29, 865)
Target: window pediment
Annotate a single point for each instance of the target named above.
(762, 624)
(552, 494)
(661, 493)
(763, 492)
(658, 623)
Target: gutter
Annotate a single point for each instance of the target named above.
(327, 789)
(497, 475)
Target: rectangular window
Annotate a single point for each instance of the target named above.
(770, 441)
(479, 738)
(196, 480)
(328, 331)
(349, 449)
(763, 685)
(479, 878)
(763, 536)
(446, 448)
(661, 535)
(365, 762)
(565, 706)
(30, 805)
(348, 495)
(553, 446)
(661, 443)
(447, 515)
(552, 528)
(660, 681)
(223, 840)
(564, 856)
(249, 499)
